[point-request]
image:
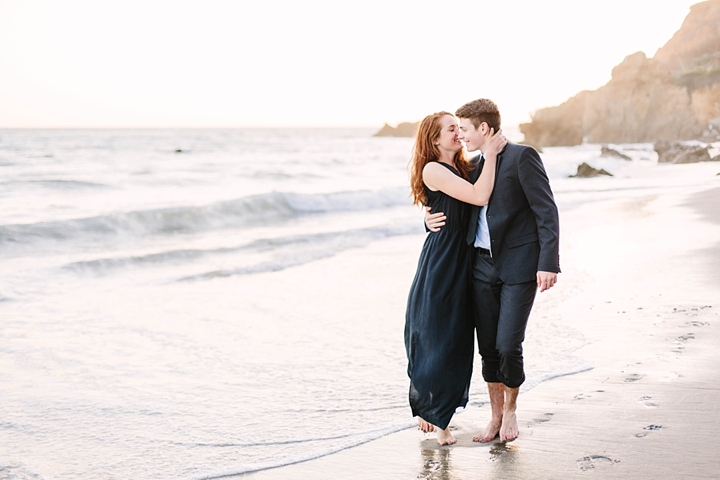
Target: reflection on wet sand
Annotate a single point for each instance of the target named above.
(437, 462)
(503, 453)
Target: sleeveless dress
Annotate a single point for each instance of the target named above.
(439, 325)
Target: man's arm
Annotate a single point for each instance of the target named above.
(433, 221)
(536, 186)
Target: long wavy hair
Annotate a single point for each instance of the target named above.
(426, 151)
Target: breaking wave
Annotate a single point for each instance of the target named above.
(260, 209)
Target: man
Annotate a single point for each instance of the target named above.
(516, 239)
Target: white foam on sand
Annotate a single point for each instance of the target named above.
(338, 446)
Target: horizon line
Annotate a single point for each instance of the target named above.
(145, 127)
(161, 127)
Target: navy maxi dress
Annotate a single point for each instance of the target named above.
(439, 338)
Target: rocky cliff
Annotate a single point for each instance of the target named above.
(673, 96)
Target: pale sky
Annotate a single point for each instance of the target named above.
(223, 63)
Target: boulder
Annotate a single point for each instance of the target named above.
(712, 133)
(405, 129)
(586, 171)
(559, 126)
(694, 46)
(639, 104)
(606, 151)
(673, 96)
(669, 152)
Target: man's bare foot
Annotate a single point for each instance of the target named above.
(509, 430)
(491, 431)
(444, 437)
(496, 392)
(426, 427)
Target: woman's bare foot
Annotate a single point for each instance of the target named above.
(444, 437)
(491, 431)
(509, 430)
(426, 427)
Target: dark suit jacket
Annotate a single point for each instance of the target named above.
(522, 216)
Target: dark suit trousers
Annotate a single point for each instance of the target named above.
(501, 315)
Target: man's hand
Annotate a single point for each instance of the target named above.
(434, 220)
(546, 280)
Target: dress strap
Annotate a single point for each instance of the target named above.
(451, 168)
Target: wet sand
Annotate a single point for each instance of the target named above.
(641, 281)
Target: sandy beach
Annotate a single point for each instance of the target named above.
(641, 282)
(208, 319)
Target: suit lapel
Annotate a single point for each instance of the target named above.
(497, 173)
(499, 161)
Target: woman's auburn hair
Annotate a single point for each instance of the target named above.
(425, 151)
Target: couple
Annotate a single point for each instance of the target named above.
(493, 241)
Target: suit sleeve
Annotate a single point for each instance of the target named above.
(536, 186)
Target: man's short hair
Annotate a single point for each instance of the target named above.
(479, 111)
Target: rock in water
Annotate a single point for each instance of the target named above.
(669, 152)
(586, 171)
(405, 129)
(610, 152)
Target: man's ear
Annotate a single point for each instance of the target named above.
(484, 128)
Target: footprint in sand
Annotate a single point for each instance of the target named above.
(592, 462)
(693, 311)
(695, 323)
(545, 418)
(653, 427)
(647, 401)
(680, 342)
(634, 377)
(648, 429)
(583, 396)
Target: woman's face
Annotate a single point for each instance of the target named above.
(448, 139)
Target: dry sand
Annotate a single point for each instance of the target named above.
(641, 281)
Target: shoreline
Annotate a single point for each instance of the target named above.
(646, 409)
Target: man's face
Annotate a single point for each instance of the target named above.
(474, 138)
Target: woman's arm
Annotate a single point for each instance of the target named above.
(437, 177)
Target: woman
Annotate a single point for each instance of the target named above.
(438, 323)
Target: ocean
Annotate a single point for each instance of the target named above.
(175, 303)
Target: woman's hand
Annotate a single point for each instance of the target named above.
(496, 143)
(437, 177)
